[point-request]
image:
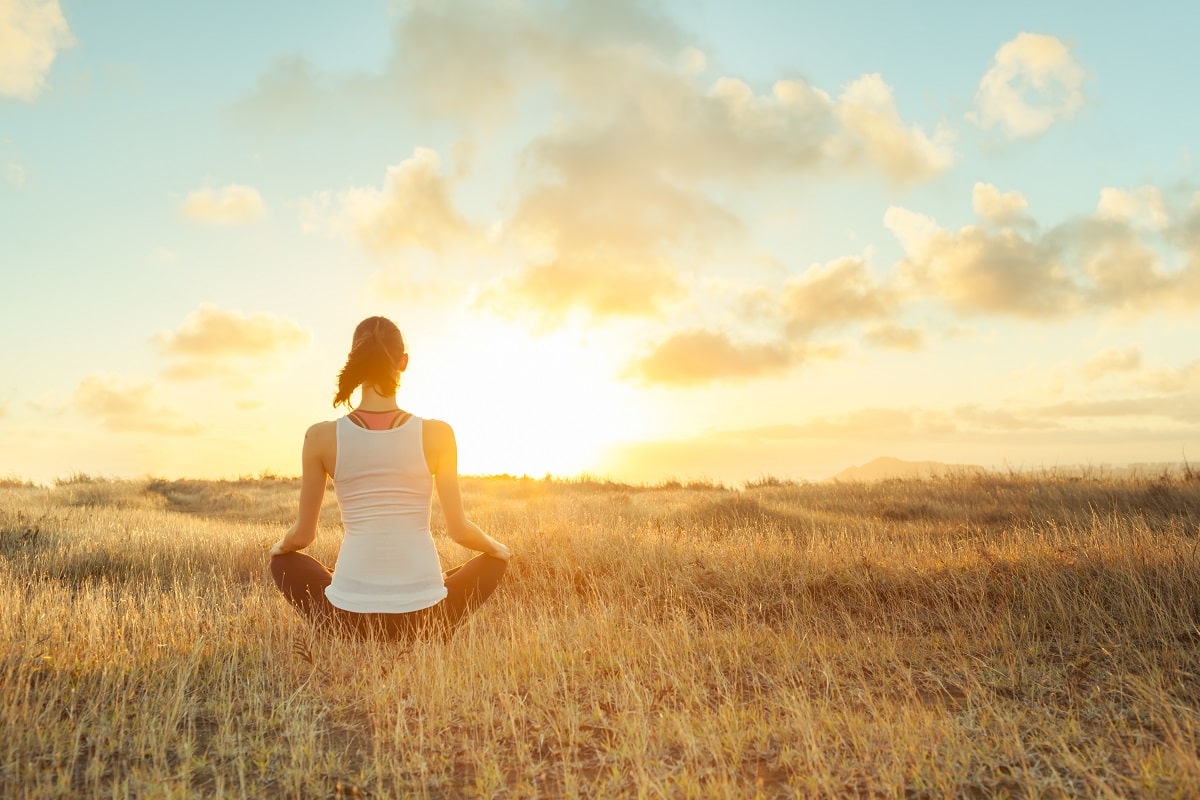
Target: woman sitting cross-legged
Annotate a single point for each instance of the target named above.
(384, 463)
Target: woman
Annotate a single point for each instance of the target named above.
(384, 463)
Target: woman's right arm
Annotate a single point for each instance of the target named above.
(319, 441)
(445, 475)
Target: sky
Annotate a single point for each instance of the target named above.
(636, 240)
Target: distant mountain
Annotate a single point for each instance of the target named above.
(882, 469)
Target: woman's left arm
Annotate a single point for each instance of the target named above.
(312, 491)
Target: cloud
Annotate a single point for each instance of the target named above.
(209, 331)
(1112, 360)
(696, 357)
(693, 60)
(215, 343)
(293, 95)
(626, 195)
(1122, 270)
(604, 241)
(125, 406)
(626, 201)
(835, 294)
(233, 205)
(628, 67)
(867, 111)
(996, 207)
(825, 297)
(1111, 260)
(466, 62)
(413, 209)
(471, 59)
(1034, 81)
(978, 271)
(1143, 207)
(732, 133)
(604, 286)
(31, 34)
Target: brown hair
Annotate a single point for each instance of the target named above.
(374, 359)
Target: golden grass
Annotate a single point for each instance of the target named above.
(974, 636)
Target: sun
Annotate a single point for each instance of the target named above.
(525, 404)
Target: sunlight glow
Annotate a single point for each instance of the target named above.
(525, 405)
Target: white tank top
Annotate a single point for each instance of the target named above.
(388, 562)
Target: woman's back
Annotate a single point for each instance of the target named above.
(388, 578)
(388, 561)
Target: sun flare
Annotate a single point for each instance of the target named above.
(527, 404)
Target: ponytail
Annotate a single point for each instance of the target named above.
(374, 359)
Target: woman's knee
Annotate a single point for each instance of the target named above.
(496, 567)
(297, 568)
(278, 566)
(482, 565)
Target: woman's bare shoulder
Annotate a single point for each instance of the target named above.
(439, 441)
(321, 430)
(437, 426)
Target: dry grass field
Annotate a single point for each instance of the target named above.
(974, 636)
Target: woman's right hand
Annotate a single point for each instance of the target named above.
(498, 550)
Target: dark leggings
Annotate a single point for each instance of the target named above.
(303, 579)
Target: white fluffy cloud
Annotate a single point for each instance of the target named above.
(213, 342)
(627, 193)
(1143, 207)
(1122, 271)
(472, 58)
(979, 271)
(1116, 259)
(233, 205)
(824, 298)
(31, 34)
(414, 208)
(1033, 82)
(1000, 208)
(624, 201)
(835, 294)
(697, 357)
(867, 111)
(1113, 261)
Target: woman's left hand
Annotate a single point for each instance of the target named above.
(277, 549)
